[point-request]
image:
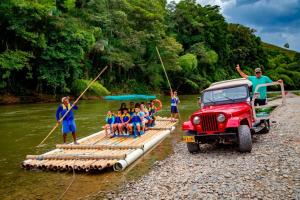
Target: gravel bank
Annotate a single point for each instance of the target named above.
(271, 171)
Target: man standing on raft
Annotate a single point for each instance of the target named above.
(68, 123)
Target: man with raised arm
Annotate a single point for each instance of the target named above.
(256, 80)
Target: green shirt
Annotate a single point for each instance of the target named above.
(261, 80)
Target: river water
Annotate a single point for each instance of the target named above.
(23, 126)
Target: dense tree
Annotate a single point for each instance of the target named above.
(56, 46)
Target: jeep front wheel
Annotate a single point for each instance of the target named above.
(244, 138)
(193, 147)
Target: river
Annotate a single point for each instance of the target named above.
(22, 128)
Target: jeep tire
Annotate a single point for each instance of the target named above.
(244, 138)
(193, 147)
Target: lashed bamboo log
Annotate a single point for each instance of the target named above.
(100, 147)
(70, 157)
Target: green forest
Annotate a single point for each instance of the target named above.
(56, 46)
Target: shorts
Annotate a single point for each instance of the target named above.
(136, 123)
(260, 102)
(174, 109)
(68, 126)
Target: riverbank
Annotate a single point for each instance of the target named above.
(271, 171)
(7, 99)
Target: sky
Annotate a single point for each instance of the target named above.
(275, 21)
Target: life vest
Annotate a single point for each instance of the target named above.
(64, 107)
(118, 119)
(131, 111)
(174, 101)
(109, 119)
(136, 118)
(126, 117)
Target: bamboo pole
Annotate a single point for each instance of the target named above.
(60, 120)
(162, 64)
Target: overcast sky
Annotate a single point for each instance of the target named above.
(276, 21)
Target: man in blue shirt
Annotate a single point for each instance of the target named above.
(68, 123)
(256, 80)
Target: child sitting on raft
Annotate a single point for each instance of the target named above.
(152, 111)
(146, 118)
(109, 119)
(126, 119)
(136, 122)
(117, 126)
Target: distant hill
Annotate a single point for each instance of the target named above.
(273, 48)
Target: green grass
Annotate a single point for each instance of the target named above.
(289, 53)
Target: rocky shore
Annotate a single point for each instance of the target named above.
(270, 171)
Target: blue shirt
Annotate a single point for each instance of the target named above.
(110, 119)
(62, 109)
(136, 118)
(118, 119)
(174, 101)
(126, 117)
(261, 80)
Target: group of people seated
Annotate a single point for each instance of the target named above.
(130, 121)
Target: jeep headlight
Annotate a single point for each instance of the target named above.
(196, 120)
(221, 118)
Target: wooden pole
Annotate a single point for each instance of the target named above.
(163, 66)
(60, 120)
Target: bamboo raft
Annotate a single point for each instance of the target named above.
(97, 151)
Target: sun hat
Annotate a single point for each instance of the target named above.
(257, 70)
(64, 98)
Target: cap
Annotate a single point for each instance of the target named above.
(257, 70)
(64, 98)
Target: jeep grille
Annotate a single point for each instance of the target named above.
(209, 122)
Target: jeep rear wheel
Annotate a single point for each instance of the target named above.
(244, 138)
(193, 147)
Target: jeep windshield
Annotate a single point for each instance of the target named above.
(225, 95)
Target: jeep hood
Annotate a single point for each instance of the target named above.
(225, 108)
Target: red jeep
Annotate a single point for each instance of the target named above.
(227, 115)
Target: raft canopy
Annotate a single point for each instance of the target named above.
(130, 97)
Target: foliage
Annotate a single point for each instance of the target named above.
(96, 88)
(14, 64)
(55, 46)
(188, 62)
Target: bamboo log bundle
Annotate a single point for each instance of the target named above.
(99, 147)
(71, 157)
(159, 128)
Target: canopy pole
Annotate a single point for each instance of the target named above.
(60, 120)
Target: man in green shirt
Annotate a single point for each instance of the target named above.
(256, 80)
